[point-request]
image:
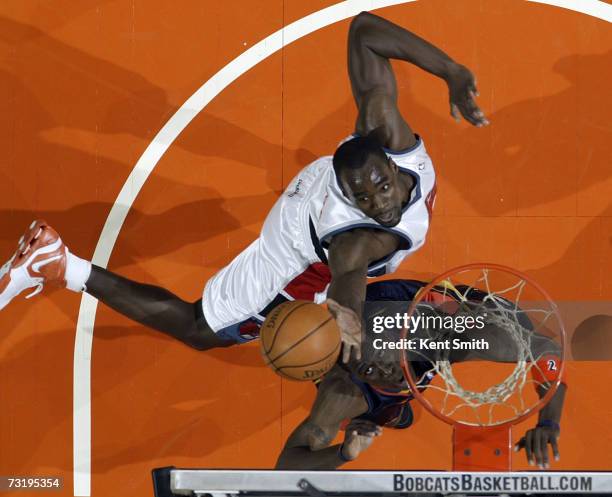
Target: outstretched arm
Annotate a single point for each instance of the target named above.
(547, 353)
(308, 447)
(372, 42)
(350, 253)
(546, 432)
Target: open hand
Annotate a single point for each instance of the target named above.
(350, 329)
(535, 442)
(462, 94)
(359, 435)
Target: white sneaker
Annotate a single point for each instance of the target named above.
(40, 259)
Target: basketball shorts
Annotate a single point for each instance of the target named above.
(311, 284)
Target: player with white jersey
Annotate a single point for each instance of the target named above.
(289, 260)
(340, 220)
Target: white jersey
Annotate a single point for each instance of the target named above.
(332, 213)
(288, 260)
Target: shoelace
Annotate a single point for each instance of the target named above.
(38, 289)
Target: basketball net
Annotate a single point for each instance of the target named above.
(482, 416)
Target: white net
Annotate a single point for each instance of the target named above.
(523, 330)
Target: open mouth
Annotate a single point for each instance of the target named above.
(386, 217)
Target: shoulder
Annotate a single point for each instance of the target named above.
(338, 382)
(317, 169)
(362, 245)
(338, 397)
(319, 164)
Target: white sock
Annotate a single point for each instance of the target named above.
(77, 272)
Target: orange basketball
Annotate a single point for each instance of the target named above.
(300, 340)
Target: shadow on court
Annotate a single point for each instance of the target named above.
(171, 422)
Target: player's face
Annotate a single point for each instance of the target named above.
(375, 189)
(380, 373)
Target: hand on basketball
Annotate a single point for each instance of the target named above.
(350, 329)
(359, 435)
(535, 442)
(462, 94)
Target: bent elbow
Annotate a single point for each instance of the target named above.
(359, 22)
(318, 442)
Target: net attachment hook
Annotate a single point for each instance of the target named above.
(309, 489)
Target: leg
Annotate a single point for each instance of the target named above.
(42, 258)
(154, 307)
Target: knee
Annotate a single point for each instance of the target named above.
(200, 335)
(195, 339)
(201, 342)
(196, 343)
(198, 340)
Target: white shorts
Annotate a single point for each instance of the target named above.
(282, 264)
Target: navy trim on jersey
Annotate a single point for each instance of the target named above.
(380, 404)
(377, 268)
(404, 151)
(316, 243)
(278, 300)
(417, 188)
(407, 242)
(375, 273)
(393, 290)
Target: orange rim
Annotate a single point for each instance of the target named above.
(412, 382)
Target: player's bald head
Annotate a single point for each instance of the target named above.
(356, 153)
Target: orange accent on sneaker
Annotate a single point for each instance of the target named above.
(40, 259)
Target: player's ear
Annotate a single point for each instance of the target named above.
(392, 165)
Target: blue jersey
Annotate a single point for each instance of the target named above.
(393, 290)
(392, 409)
(388, 408)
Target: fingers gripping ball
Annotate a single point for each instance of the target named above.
(300, 340)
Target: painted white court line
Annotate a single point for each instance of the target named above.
(151, 156)
(593, 8)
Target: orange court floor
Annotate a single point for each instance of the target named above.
(87, 85)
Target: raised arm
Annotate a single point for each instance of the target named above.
(372, 42)
(547, 353)
(308, 447)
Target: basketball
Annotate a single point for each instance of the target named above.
(300, 340)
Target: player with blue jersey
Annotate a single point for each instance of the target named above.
(372, 393)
